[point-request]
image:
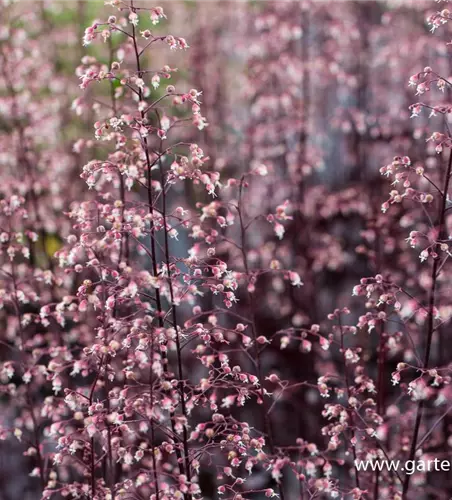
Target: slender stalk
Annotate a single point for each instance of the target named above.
(174, 315)
(28, 393)
(257, 355)
(380, 396)
(430, 320)
(93, 470)
(124, 248)
(180, 460)
(347, 389)
(154, 460)
(109, 459)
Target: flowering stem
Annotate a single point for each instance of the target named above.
(109, 459)
(124, 248)
(183, 469)
(431, 308)
(28, 394)
(23, 159)
(347, 385)
(154, 460)
(381, 394)
(93, 472)
(174, 314)
(267, 421)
